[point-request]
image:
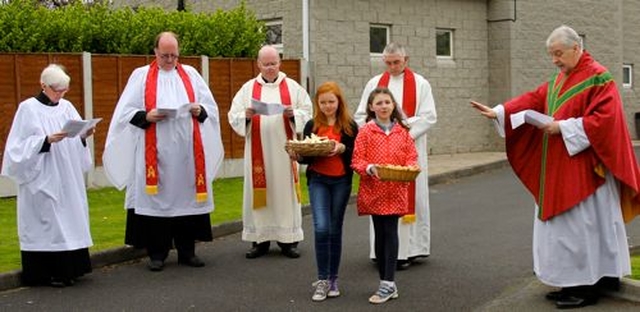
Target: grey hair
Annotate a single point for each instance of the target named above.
(54, 76)
(394, 48)
(565, 35)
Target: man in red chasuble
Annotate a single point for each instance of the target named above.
(579, 164)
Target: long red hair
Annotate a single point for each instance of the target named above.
(343, 116)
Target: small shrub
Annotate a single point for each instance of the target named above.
(30, 26)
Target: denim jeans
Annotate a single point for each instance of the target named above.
(329, 197)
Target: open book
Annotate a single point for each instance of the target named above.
(263, 108)
(74, 128)
(175, 111)
(531, 117)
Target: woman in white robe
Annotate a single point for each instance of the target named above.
(48, 167)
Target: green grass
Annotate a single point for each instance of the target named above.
(635, 267)
(107, 217)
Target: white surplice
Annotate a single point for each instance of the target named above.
(589, 241)
(124, 155)
(281, 219)
(414, 238)
(53, 214)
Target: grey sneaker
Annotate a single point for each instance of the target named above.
(333, 288)
(384, 294)
(322, 288)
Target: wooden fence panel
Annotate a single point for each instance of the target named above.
(73, 66)
(241, 71)
(9, 95)
(219, 71)
(110, 73)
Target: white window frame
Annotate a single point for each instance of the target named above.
(450, 32)
(629, 69)
(276, 22)
(387, 29)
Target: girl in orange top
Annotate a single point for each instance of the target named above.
(329, 183)
(384, 139)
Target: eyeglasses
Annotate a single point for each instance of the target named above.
(169, 56)
(58, 90)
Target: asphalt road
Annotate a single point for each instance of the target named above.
(481, 249)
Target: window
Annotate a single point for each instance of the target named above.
(627, 75)
(444, 43)
(583, 37)
(378, 38)
(273, 34)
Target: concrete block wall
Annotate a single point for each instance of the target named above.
(340, 51)
(493, 60)
(630, 55)
(610, 36)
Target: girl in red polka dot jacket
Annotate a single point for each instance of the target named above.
(384, 139)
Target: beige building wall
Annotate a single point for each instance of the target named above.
(631, 56)
(499, 49)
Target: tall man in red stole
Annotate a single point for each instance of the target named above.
(581, 170)
(413, 94)
(164, 146)
(271, 209)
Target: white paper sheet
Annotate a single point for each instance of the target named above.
(74, 128)
(174, 111)
(531, 117)
(263, 108)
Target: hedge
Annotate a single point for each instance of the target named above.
(27, 26)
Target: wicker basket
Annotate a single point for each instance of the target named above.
(404, 174)
(310, 149)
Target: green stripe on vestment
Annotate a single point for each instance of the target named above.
(554, 102)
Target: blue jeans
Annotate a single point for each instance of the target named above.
(329, 197)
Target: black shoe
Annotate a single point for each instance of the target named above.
(608, 284)
(417, 258)
(402, 265)
(155, 265)
(192, 262)
(256, 252)
(555, 295)
(572, 302)
(291, 252)
(57, 283)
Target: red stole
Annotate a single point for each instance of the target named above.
(409, 108)
(257, 158)
(151, 150)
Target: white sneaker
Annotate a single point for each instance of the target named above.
(385, 293)
(322, 288)
(333, 288)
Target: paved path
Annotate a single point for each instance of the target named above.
(481, 260)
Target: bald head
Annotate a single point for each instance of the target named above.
(268, 51)
(166, 50)
(269, 62)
